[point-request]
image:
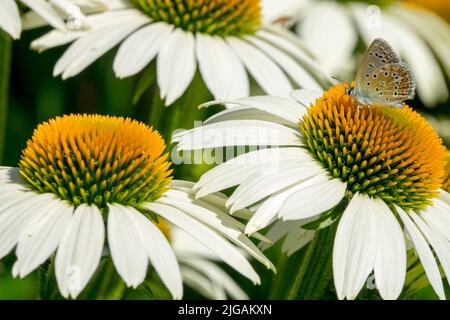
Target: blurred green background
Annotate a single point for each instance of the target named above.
(36, 96)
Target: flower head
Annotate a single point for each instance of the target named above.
(225, 38)
(331, 160)
(216, 17)
(381, 151)
(80, 172)
(97, 160)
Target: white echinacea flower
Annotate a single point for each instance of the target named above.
(79, 173)
(332, 29)
(50, 11)
(375, 171)
(227, 39)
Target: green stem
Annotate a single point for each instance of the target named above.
(111, 286)
(315, 269)
(5, 67)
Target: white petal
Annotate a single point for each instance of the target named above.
(10, 18)
(218, 277)
(306, 97)
(355, 247)
(425, 254)
(281, 107)
(218, 221)
(291, 43)
(212, 240)
(313, 200)
(15, 219)
(390, 263)
(266, 73)
(45, 10)
(329, 32)
(239, 113)
(161, 256)
(262, 185)
(237, 133)
(89, 48)
(53, 39)
(297, 73)
(239, 169)
(42, 238)
(221, 69)
(139, 49)
(439, 243)
(80, 250)
(271, 207)
(176, 65)
(127, 245)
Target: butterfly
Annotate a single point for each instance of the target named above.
(382, 77)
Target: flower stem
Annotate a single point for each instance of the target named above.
(5, 66)
(315, 269)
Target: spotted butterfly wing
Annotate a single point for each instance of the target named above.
(379, 53)
(389, 84)
(382, 77)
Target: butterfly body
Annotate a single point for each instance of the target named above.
(382, 77)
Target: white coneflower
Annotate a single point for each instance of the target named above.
(225, 38)
(79, 173)
(375, 170)
(332, 29)
(45, 10)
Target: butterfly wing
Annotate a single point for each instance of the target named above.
(379, 53)
(389, 84)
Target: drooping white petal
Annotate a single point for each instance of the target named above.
(10, 18)
(45, 10)
(93, 45)
(80, 250)
(139, 49)
(425, 254)
(237, 133)
(355, 246)
(239, 169)
(40, 240)
(221, 69)
(271, 207)
(266, 73)
(176, 65)
(227, 252)
(127, 245)
(53, 39)
(439, 243)
(263, 185)
(217, 277)
(161, 256)
(217, 221)
(15, 219)
(313, 200)
(390, 263)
